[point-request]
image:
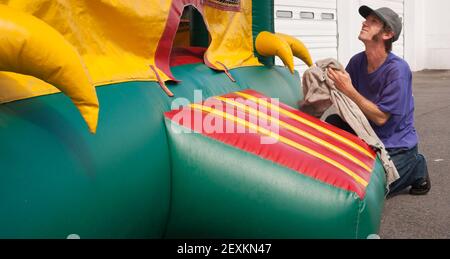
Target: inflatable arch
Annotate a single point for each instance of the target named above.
(162, 162)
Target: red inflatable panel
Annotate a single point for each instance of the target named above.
(274, 131)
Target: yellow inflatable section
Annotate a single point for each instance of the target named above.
(284, 46)
(131, 40)
(268, 44)
(31, 47)
(298, 48)
(231, 37)
(117, 39)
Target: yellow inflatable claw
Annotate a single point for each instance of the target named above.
(283, 46)
(29, 46)
(298, 48)
(268, 44)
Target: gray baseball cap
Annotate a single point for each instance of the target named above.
(387, 15)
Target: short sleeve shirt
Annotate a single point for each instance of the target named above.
(390, 88)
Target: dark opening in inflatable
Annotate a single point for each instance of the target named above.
(192, 39)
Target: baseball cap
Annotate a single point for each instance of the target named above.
(387, 15)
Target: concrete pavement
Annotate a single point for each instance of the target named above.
(428, 217)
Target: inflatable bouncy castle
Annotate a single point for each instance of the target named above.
(168, 119)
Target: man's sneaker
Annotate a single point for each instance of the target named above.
(422, 188)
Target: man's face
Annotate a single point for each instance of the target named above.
(372, 29)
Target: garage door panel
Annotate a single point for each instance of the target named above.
(312, 22)
(305, 13)
(319, 45)
(330, 4)
(308, 28)
(316, 54)
(301, 69)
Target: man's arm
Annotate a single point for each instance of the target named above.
(344, 84)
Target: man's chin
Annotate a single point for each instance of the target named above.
(363, 35)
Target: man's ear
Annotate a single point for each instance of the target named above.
(388, 35)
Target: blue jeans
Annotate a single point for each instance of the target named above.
(411, 166)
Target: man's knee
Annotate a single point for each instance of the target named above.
(413, 171)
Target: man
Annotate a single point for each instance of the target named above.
(380, 83)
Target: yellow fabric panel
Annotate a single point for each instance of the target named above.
(231, 37)
(29, 46)
(117, 39)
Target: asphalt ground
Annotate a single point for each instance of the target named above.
(426, 217)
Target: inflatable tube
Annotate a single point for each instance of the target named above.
(31, 47)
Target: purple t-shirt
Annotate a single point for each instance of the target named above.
(390, 88)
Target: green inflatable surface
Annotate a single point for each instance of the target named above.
(57, 179)
(219, 191)
(136, 178)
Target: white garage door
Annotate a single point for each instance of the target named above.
(313, 22)
(398, 7)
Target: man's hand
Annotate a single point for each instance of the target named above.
(342, 81)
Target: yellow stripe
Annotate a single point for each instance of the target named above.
(309, 123)
(281, 139)
(298, 131)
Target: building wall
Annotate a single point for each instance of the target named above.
(415, 46)
(437, 34)
(426, 32)
(350, 23)
(312, 22)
